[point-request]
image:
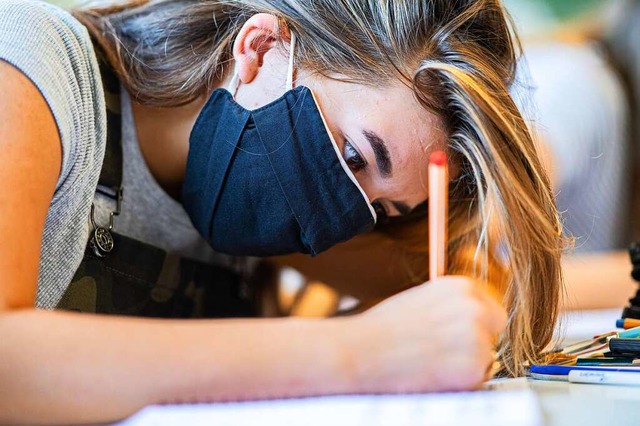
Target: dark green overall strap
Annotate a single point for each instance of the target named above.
(139, 279)
(110, 182)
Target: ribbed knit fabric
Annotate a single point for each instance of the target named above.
(55, 52)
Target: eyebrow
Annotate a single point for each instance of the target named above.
(379, 147)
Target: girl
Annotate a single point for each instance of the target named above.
(280, 126)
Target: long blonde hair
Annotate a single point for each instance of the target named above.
(458, 57)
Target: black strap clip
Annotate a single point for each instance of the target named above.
(101, 241)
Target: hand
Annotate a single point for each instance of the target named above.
(439, 336)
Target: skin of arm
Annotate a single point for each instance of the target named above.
(78, 351)
(369, 267)
(598, 281)
(592, 281)
(29, 168)
(92, 368)
(63, 367)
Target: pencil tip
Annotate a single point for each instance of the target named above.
(439, 158)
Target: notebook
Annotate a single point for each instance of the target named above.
(482, 408)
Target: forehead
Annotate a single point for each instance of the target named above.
(392, 110)
(410, 131)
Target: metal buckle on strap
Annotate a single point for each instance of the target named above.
(102, 241)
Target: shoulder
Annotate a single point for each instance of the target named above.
(33, 32)
(36, 18)
(53, 50)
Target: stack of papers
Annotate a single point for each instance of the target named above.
(483, 408)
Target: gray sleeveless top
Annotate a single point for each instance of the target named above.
(55, 52)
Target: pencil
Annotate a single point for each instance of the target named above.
(438, 214)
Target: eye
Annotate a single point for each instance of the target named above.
(352, 157)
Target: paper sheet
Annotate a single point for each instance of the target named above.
(484, 408)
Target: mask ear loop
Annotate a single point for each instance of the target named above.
(234, 83)
(292, 46)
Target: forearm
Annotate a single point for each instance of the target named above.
(58, 367)
(598, 281)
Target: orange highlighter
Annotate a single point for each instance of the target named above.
(628, 323)
(438, 214)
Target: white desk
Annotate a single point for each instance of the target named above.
(568, 404)
(564, 403)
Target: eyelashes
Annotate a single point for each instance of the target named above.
(356, 163)
(353, 158)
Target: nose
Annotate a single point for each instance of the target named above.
(374, 193)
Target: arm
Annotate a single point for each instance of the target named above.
(62, 356)
(598, 281)
(88, 368)
(63, 367)
(371, 266)
(71, 364)
(30, 163)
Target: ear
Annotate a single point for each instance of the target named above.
(256, 37)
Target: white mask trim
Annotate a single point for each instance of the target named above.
(343, 163)
(292, 46)
(234, 83)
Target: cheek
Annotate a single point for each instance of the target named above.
(411, 184)
(413, 191)
(253, 96)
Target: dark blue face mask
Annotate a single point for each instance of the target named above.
(271, 181)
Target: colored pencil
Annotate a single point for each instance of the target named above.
(438, 214)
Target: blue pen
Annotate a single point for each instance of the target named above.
(561, 372)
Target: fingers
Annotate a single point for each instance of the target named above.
(494, 367)
(490, 318)
(487, 355)
(452, 319)
(496, 318)
(477, 300)
(477, 360)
